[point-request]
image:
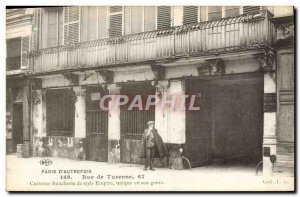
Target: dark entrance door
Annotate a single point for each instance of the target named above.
(17, 125)
(238, 118)
(229, 125)
(198, 124)
(96, 126)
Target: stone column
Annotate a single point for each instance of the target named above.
(37, 120)
(269, 137)
(114, 125)
(80, 114)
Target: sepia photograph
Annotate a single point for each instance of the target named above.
(164, 98)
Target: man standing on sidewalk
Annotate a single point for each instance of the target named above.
(151, 141)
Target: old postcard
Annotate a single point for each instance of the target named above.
(150, 98)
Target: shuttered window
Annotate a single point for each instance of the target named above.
(214, 12)
(71, 24)
(190, 14)
(115, 21)
(163, 17)
(250, 9)
(60, 113)
(231, 11)
(25, 48)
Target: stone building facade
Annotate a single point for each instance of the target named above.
(230, 57)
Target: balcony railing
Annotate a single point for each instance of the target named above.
(227, 34)
(13, 63)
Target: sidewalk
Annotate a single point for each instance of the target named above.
(27, 174)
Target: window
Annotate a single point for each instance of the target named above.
(71, 24)
(93, 23)
(250, 9)
(163, 17)
(139, 19)
(115, 21)
(190, 15)
(96, 119)
(136, 19)
(134, 122)
(149, 18)
(214, 12)
(92, 20)
(60, 112)
(54, 27)
(231, 11)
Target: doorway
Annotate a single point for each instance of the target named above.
(17, 125)
(228, 128)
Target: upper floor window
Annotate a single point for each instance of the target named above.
(52, 27)
(231, 11)
(115, 21)
(190, 14)
(250, 9)
(214, 12)
(163, 17)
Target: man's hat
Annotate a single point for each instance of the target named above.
(150, 122)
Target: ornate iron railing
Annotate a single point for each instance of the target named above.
(13, 63)
(227, 34)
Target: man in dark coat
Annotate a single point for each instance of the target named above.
(151, 141)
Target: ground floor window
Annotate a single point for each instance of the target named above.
(60, 112)
(134, 122)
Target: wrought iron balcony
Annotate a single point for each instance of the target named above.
(13, 63)
(243, 32)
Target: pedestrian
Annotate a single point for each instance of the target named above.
(152, 141)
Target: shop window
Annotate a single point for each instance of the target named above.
(60, 112)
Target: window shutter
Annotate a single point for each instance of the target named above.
(71, 24)
(163, 17)
(190, 14)
(250, 9)
(25, 48)
(115, 21)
